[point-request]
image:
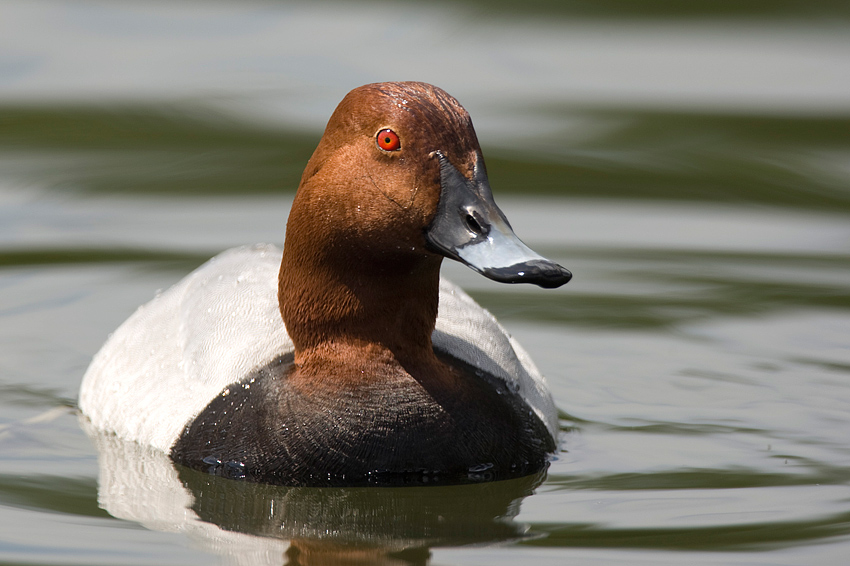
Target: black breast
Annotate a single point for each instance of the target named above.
(260, 429)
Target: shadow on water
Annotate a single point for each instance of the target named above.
(659, 9)
(700, 479)
(713, 157)
(170, 150)
(754, 536)
(182, 150)
(55, 494)
(60, 256)
(707, 286)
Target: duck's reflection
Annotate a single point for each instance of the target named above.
(251, 523)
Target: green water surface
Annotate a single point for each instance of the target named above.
(700, 358)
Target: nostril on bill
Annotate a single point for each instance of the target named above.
(473, 225)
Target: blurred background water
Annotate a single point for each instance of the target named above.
(688, 161)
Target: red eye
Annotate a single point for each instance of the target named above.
(388, 140)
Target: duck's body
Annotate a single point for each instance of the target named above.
(336, 369)
(220, 327)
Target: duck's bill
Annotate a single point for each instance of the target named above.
(470, 228)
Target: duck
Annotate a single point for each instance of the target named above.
(345, 359)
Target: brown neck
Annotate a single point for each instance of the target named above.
(339, 299)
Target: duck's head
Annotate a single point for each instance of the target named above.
(399, 170)
(396, 184)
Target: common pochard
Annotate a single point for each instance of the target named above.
(345, 359)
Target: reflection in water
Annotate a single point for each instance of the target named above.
(263, 524)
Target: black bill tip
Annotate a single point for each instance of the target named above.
(543, 273)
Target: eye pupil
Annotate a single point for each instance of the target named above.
(388, 140)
